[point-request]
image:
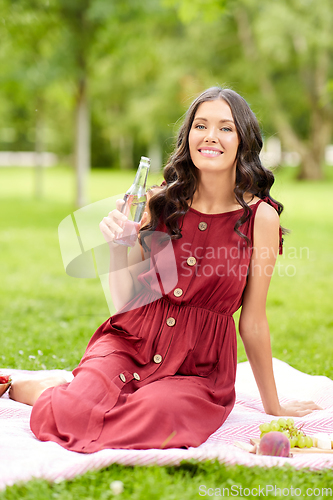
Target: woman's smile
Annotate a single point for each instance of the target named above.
(211, 152)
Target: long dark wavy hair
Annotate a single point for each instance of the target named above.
(182, 177)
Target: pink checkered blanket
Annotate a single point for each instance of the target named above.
(24, 457)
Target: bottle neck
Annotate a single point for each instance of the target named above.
(141, 176)
(139, 185)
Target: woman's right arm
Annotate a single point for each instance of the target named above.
(124, 267)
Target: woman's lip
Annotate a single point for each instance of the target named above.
(206, 152)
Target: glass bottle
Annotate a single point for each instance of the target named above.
(135, 201)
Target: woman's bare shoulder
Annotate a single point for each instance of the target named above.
(266, 214)
(266, 226)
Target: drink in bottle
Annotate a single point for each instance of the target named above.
(135, 201)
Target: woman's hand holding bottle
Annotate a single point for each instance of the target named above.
(111, 225)
(116, 223)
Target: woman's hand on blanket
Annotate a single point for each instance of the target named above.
(298, 408)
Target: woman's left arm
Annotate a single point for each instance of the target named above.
(253, 324)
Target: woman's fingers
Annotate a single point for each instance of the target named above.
(313, 405)
(106, 231)
(114, 222)
(297, 412)
(305, 405)
(300, 408)
(111, 225)
(119, 204)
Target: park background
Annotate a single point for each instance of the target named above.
(86, 88)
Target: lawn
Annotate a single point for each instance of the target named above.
(48, 317)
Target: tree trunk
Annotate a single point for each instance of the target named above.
(82, 144)
(155, 153)
(39, 146)
(310, 168)
(125, 152)
(321, 130)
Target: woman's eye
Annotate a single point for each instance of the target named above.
(200, 127)
(226, 129)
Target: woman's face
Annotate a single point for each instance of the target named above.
(213, 138)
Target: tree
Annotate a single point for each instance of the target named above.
(26, 74)
(281, 56)
(80, 21)
(136, 90)
(53, 41)
(290, 45)
(137, 65)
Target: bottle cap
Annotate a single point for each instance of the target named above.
(145, 159)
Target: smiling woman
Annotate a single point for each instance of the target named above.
(161, 372)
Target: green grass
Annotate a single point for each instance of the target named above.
(47, 317)
(176, 483)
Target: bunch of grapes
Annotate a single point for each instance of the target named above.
(295, 435)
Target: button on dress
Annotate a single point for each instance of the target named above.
(162, 373)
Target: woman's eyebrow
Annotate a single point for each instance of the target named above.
(221, 121)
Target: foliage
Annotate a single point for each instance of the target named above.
(144, 61)
(189, 10)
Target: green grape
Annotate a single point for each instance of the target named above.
(282, 422)
(308, 442)
(295, 435)
(301, 441)
(274, 426)
(264, 427)
(290, 422)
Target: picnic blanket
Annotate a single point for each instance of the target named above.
(23, 457)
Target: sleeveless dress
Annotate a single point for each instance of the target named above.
(161, 373)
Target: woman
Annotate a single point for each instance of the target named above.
(161, 372)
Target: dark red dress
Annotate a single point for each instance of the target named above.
(161, 374)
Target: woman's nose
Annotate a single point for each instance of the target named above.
(211, 135)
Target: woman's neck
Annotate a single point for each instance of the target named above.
(215, 194)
